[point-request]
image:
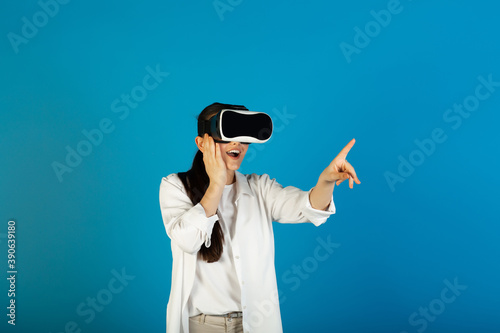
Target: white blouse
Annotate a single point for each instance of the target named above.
(216, 289)
(259, 201)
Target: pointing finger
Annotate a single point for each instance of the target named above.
(345, 150)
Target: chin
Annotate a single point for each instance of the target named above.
(233, 167)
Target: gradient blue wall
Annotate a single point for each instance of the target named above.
(417, 83)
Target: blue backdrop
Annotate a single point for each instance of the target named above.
(98, 102)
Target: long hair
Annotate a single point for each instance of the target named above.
(196, 182)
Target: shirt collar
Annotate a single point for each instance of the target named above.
(242, 186)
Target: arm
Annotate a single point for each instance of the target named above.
(338, 171)
(290, 204)
(187, 226)
(191, 226)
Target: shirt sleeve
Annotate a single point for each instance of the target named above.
(291, 205)
(186, 225)
(318, 216)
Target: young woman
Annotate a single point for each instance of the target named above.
(220, 225)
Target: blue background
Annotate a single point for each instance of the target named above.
(397, 243)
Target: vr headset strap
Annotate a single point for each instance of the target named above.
(210, 126)
(203, 127)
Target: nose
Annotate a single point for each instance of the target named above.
(237, 143)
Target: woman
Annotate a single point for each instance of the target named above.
(220, 225)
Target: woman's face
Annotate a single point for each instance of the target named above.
(233, 153)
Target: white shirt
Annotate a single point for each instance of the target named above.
(259, 201)
(216, 289)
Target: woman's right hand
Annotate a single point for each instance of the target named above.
(214, 164)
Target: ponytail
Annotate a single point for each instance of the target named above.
(196, 183)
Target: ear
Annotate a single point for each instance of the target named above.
(199, 143)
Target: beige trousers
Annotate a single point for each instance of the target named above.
(211, 324)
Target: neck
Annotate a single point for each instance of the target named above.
(231, 177)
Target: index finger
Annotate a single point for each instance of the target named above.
(345, 150)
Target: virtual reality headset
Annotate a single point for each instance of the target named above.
(237, 125)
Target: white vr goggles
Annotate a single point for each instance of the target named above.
(237, 125)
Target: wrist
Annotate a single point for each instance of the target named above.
(325, 185)
(216, 186)
(324, 180)
(217, 181)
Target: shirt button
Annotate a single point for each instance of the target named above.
(237, 257)
(244, 306)
(242, 282)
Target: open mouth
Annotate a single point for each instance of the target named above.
(234, 153)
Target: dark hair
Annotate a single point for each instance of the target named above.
(196, 182)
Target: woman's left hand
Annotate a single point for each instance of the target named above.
(340, 170)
